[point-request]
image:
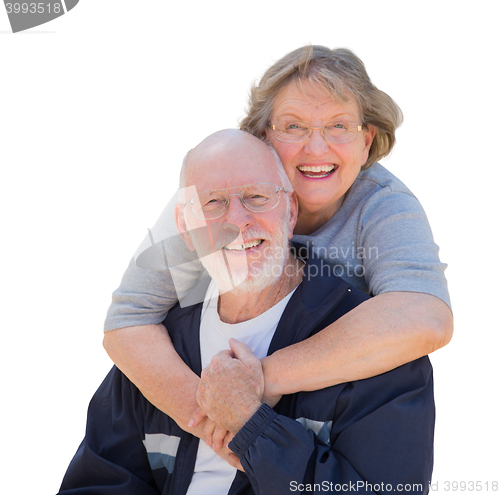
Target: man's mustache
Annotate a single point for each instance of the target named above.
(213, 237)
(173, 251)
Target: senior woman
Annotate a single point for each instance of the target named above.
(329, 124)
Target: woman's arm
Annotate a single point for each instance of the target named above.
(145, 354)
(381, 334)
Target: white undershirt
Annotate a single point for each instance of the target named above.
(212, 474)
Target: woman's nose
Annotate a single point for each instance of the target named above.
(316, 144)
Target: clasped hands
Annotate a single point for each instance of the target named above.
(230, 391)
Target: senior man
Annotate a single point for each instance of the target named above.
(370, 435)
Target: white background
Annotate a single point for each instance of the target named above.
(97, 109)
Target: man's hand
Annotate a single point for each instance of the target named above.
(231, 387)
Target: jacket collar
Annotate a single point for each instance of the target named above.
(315, 298)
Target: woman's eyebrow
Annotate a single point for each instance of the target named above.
(338, 116)
(343, 115)
(290, 115)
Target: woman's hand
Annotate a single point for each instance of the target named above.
(229, 456)
(212, 434)
(217, 438)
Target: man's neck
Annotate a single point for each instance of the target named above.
(238, 305)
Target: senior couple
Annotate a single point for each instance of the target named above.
(306, 380)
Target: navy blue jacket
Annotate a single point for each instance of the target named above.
(358, 436)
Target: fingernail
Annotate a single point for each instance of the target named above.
(191, 423)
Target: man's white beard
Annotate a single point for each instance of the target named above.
(249, 277)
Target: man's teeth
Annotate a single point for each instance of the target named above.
(326, 169)
(246, 245)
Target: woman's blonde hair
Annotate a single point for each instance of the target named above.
(343, 75)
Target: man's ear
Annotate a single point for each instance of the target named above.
(180, 222)
(294, 213)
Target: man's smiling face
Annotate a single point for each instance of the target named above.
(228, 161)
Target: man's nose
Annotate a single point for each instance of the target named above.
(237, 214)
(316, 144)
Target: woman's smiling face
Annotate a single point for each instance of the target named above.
(321, 172)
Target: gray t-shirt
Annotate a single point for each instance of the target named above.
(379, 241)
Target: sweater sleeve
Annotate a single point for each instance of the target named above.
(400, 252)
(381, 433)
(144, 297)
(162, 272)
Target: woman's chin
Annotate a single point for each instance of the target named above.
(318, 200)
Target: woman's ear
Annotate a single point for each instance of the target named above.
(369, 135)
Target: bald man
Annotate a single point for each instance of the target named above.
(237, 210)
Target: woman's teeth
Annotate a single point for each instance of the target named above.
(316, 172)
(246, 245)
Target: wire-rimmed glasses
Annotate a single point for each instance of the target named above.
(335, 132)
(212, 204)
